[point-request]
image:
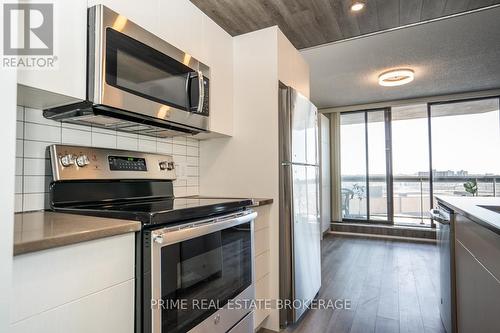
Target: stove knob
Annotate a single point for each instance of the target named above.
(67, 160)
(158, 239)
(82, 161)
(170, 166)
(163, 165)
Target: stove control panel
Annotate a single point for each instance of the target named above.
(90, 163)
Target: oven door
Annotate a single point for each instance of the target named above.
(131, 69)
(197, 269)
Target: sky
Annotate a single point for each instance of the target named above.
(465, 142)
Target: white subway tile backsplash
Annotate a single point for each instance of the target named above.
(178, 149)
(36, 149)
(192, 181)
(126, 143)
(19, 166)
(179, 159)
(180, 182)
(35, 134)
(192, 151)
(37, 167)
(19, 148)
(146, 145)
(179, 140)
(20, 113)
(164, 140)
(36, 116)
(18, 203)
(77, 127)
(180, 191)
(192, 161)
(35, 201)
(19, 130)
(192, 142)
(103, 140)
(103, 130)
(76, 137)
(36, 184)
(192, 190)
(18, 185)
(164, 147)
(39, 132)
(191, 171)
(128, 135)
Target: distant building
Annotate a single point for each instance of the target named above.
(445, 173)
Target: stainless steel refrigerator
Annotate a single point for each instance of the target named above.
(300, 224)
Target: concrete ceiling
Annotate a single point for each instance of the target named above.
(455, 55)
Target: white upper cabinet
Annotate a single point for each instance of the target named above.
(70, 49)
(143, 13)
(217, 52)
(180, 24)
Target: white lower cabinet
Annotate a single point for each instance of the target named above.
(85, 287)
(109, 310)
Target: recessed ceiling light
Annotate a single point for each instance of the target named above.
(396, 77)
(357, 6)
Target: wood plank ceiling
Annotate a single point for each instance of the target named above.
(314, 22)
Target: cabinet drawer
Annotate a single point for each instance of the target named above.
(46, 279)
(478, 293)
(110, 310)
(484, 244)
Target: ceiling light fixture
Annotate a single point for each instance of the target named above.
(396, 77)
(357, 6)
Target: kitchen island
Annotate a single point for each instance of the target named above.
(475, 261)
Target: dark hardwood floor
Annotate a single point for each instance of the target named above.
(393, 286)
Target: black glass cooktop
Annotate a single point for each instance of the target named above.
(161, 211)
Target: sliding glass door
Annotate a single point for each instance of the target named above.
(410, 164)
(394, 161)
(365, 166)
(353, 166)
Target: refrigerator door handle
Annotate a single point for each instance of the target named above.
(286, 229)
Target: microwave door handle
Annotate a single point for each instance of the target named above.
(188, 91)
(201, 92)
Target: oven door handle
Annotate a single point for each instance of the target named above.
(169, 236)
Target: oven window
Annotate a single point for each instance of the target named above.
(141, 70)
(209, 270)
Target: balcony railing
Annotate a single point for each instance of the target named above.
(411, 199)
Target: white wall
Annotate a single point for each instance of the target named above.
(247, 165)
(293, 70)
(7, 139)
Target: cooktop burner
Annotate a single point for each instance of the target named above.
(161, 211)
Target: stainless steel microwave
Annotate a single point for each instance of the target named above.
(137, 82)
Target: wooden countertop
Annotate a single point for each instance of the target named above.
(35, 231)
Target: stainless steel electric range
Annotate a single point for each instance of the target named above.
(194, 257)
